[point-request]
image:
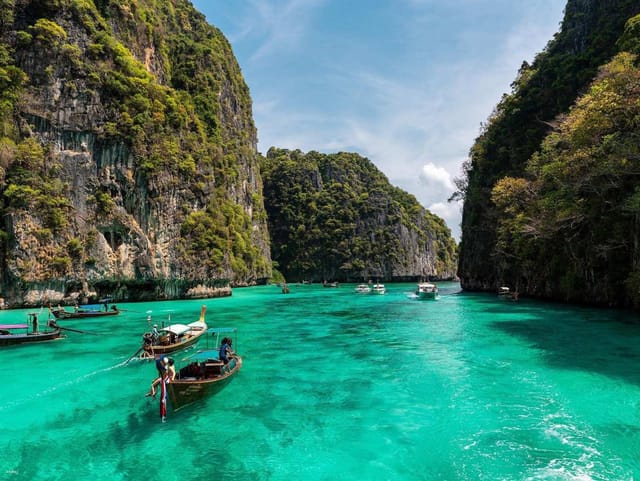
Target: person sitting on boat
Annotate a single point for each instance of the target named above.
(162, 365)
(171, 370)
(225, 350)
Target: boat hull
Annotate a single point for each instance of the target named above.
(158, 349)
(427, 295)
(62, 314)
(183, 392)
(14, 339)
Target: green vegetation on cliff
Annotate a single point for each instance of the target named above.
(336, 217)
(579, 204)
(550, 193)
(148, 98)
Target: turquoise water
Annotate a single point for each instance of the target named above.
(338, 386)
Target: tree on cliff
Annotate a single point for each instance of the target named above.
(336, 217)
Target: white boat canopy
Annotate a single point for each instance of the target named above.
(176, 329)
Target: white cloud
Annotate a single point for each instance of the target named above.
(451, 212)
(415, 112)
(432, 174)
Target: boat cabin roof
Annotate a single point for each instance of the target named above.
(216, 330)
(14, 326)
(201, 356)
(176, 329)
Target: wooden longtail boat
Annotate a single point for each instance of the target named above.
(174, 337)
(202, 373)
(83, 313)
(12, 334)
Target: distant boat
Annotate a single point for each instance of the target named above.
(12, 334)
(505, 293)
(82, 313)
(202, 373)
(427, 290)
(174, 337)
(330, 284)
(363, 289)
(378, 289)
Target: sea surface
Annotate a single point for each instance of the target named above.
(336, 386)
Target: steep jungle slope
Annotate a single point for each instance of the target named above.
(128, 158)
(572, 265)
(336, 217)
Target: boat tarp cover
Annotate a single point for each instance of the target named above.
(177, 329)
(203, 355)
(14, 326)
(216, 330)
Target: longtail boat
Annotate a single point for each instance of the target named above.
(198, 375)
(83, 313)
(12, 334)
(174, 337)
(203, 373)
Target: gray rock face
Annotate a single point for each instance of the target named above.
(125, 169)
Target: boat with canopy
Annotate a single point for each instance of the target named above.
(12, 334)
(203, 373)
(173, 337)
(86, 312)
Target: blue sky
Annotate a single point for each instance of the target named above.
(405, 83)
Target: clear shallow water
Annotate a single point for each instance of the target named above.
(338, 386)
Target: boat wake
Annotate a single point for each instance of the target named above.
(52, 389)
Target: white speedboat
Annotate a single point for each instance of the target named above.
(427, 290)
(363, 289)
(378, 289)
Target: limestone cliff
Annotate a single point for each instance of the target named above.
(128, 161)
(336, 217)
(541, 197)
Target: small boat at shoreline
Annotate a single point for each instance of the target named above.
(83, 313)
(427, 290)
(203, 373)
(506, 293)
(173, 337)
(12, 334)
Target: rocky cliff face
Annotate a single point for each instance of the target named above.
(543, 93)
(128, 153)
(336, 218)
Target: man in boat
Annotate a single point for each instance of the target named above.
(155, 334)
(226, 350)
(162, 365)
